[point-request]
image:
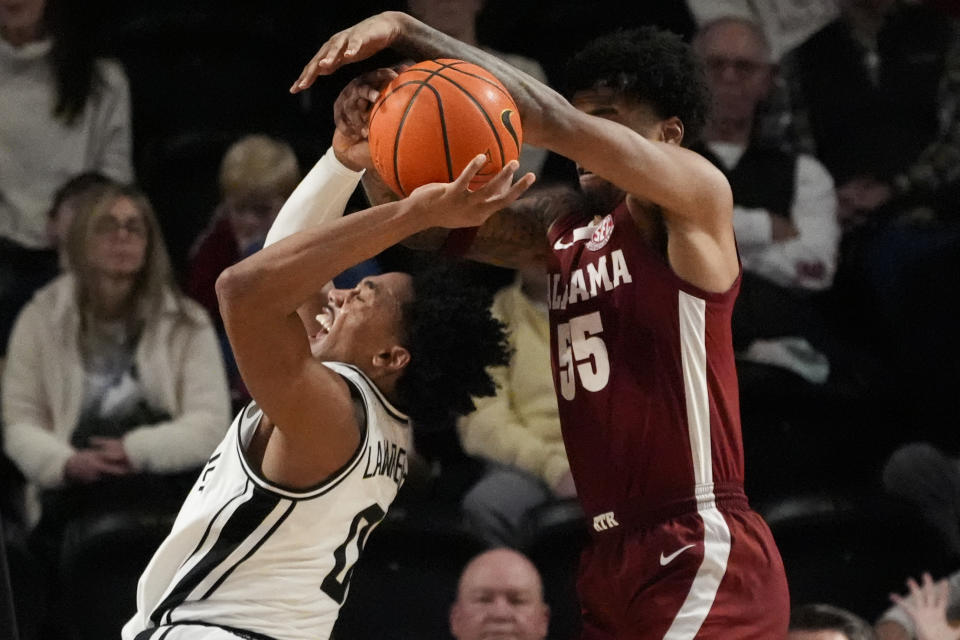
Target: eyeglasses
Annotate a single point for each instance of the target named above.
(742, 67)
(108, 225)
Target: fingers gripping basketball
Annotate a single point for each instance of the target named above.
(435, 117)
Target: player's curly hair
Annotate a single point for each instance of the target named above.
(649, 65)
(452, 339)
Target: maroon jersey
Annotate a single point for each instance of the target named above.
(644, 369)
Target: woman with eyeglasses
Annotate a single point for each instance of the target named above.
(114, 380)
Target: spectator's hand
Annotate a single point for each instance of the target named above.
(89, 465)
(453, 205)
(781, 228)
(110, 449)
(927, 607)
(359, 42)
(565, 487)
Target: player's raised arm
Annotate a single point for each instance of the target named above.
(260, 295)
(654, 168)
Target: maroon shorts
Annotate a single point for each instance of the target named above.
(710, 574)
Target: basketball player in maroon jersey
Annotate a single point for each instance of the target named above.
(643, 277)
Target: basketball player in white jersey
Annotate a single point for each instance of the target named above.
(265, 543)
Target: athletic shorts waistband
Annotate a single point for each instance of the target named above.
(642, 514)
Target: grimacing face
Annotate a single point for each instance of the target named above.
(358, 323)
(500, 598)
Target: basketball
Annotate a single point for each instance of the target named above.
(435, 117)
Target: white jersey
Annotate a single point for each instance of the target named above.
(265, 561)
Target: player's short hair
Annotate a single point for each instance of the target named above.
(824, 617)
(649, 65)
(452, 339)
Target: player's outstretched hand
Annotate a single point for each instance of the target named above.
(351, 111)
(453, 204)
(359, 42)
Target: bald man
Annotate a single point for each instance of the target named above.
(825, 622)
(500, 595)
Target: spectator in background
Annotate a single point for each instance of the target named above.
(928, 612)
(64, 112)
(784, 205)
(879, 91)
(111, 372)
(875, 97)
(458, 19)
(500, 595)
(517, 431)
(257, 174)
(826, 622)
(77, 193)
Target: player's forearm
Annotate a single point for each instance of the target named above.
(279, 278)
(321, 196)
(536, 101)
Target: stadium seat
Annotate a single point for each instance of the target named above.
(406, 579)
(850, 549)
(555, 533)
(102, 559)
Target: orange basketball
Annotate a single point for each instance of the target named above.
(435, 117)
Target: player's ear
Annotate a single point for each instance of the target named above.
(671, 130)
(393, 359)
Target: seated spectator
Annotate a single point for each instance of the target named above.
(875, 96)
(77, 193)
(517, 431)
(784, 206)
(928, 612)
(257, 174)
(64, 113)
(113, 375)
(825, 622)
(500, 595)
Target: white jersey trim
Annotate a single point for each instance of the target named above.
(716, 534)
(285, 492)
(389, 406)
(251, 420)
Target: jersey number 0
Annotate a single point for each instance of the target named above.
(336, 583)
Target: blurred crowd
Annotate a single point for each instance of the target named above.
(146, 147)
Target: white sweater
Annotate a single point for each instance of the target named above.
(180, 367)
(39, 152)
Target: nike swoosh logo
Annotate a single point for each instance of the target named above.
(665, 560)
(580, 233)
(505, 119)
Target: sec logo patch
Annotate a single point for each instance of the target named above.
(601, 235)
